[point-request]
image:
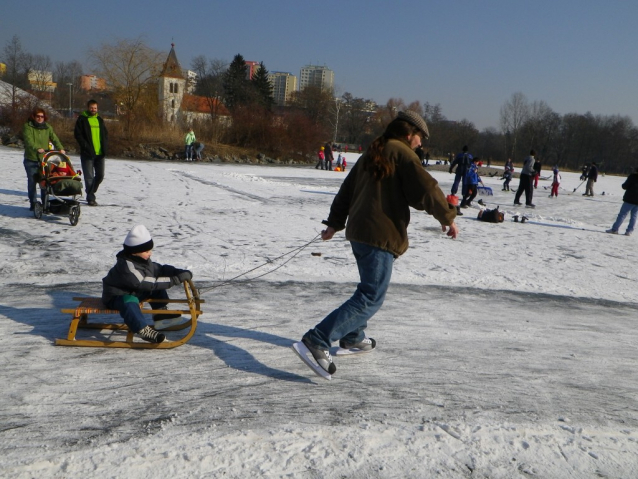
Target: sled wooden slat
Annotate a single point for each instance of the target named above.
(93, 306)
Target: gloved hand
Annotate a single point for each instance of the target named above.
(185, 275)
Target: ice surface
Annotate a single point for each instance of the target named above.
(509, 352)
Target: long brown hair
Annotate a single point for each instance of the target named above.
(375, 161)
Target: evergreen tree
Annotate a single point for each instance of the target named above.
(237, 86)
(263, 87)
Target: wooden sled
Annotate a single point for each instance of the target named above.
(93, 306)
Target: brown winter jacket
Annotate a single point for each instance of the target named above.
(378, 211)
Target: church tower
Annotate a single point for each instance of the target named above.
(171, 87)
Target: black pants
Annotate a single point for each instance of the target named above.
(525, 185)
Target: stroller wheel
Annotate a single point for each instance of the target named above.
(37, 210)
(74, 215)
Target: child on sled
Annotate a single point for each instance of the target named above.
(135, 278)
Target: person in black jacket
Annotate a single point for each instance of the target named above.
(462, 162)
(630, 205)
(92, 136)
(592, 177)
(136, 278)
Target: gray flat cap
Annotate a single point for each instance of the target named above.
(415, 119)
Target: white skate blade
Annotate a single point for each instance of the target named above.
(167, 323)
(351, 352)
(306, 356)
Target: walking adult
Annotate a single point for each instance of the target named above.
(189, 139)
(592, 177)
(36, 134)
(629, 206)
(92, 136)
(329, 156)
(526, 181)
(462, 162)
(375, 199)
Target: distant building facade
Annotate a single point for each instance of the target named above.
(41, 81)
(284, 84)
(253, 67)
(318, 76)
(92, 83)
(175, 101)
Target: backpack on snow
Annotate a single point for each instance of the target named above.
(491, 216)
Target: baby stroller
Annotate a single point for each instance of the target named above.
(59, 186)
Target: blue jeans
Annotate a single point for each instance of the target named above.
(129, 308)
(93, 171)
(349, 320)
(625, 209)
(188, 152)
(32, 168)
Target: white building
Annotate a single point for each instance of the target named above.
(315, 75)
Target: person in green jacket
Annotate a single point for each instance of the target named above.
(37, 134)
(189, 139)
(375, 199)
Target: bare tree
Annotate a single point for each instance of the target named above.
(17, 63)
(65, 74)
(514, 113)
(130, 68)
(210, 86)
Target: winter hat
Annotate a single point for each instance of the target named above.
(138, 240)
(416, 120)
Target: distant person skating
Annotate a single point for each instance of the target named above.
(525, 185)
(462, 162)
(537, 172)
(555, 183)
(189, 139)
(373, 205)
(92, 136)
(629, 206)
(592, 177)
(37, 134)
(508, 173)
(583, 175)
(471, 183)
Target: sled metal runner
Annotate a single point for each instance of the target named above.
(94, 306)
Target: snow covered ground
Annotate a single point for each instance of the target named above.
(509, 352)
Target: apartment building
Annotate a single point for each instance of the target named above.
(283, 86)
(315, 75)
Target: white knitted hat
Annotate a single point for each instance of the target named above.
(138, 240)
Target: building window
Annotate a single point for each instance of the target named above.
(173, 104)
(170, 87)
(176, 85)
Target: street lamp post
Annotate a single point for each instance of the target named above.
(70, 97)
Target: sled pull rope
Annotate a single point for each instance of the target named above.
(233, 280)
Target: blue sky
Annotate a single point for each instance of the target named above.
(468, 56)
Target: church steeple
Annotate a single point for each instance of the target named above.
(172, 68)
